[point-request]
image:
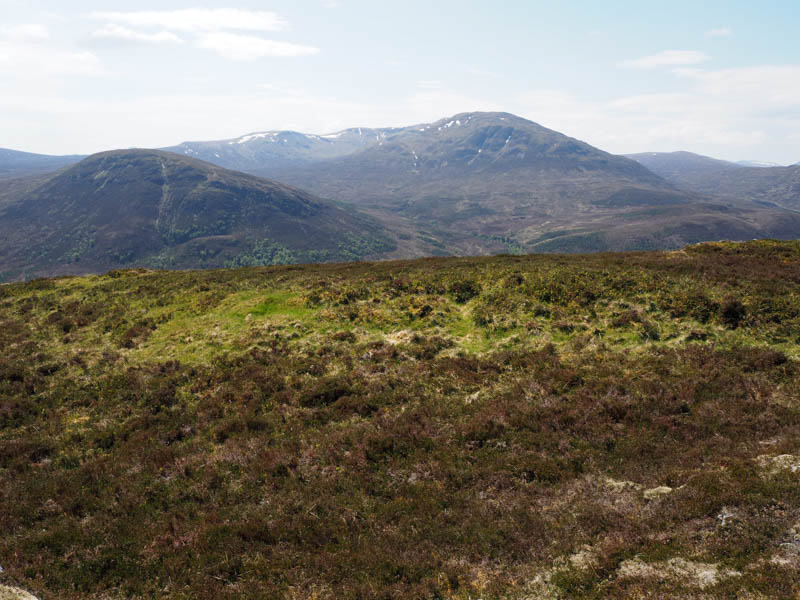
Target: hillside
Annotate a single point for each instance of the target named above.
(765, 185)
(768, 186)
(151, 208)
(491, 182)
(19, 164)
(604, 426)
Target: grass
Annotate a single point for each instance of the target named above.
(443, 428)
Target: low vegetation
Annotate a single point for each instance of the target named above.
(604, 426)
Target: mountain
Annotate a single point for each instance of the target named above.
(674, 165)
(14, 163)
(253, 151)
(767, 186)
(762, 184)
(757, 163)
(151, 208)
(488, 182)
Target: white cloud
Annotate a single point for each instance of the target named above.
(196, 19)
(25, 33)
(32, 61)
(721, 32)
(746, 112)
(331, 4)
(248, 47)
(766, 85)
(667, 58)
(118, 32)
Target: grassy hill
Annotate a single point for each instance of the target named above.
(602, 426)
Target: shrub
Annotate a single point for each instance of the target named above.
(465, 290)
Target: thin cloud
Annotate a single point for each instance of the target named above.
(248, 47)
(667, 58)
(721, 32)
(25, 33)
(31, 61)
(118, 32)
(196, 19)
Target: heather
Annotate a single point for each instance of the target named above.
(542, 426)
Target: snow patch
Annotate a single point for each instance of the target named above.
(253, 136)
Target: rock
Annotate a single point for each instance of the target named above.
(618, 486)
(657, 492)
(680, 570)
(12, 593)
(776, 464)
(584, 559)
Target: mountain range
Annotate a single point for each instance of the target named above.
(474, 183)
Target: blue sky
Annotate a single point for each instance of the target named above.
(718, 78)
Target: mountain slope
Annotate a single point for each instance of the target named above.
(779, 186)
(142, 207)
(14, 163)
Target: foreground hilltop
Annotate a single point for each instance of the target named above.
(153, 208)
(601, 426)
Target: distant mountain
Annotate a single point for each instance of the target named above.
(15, 164)
(762, 184)
(278, 149)
(674, 165)
(772, 186)
(757, 163)
(488, 182)
(151, 208)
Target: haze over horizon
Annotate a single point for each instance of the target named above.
(722, 79)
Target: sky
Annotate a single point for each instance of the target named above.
(720, 78)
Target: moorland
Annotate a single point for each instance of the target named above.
(542, 426)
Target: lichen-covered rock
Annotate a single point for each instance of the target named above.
(776, 464)
(12, 593)
(679, 570)
(657, 492)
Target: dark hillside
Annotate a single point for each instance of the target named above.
(143, 207)
(544, 426)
